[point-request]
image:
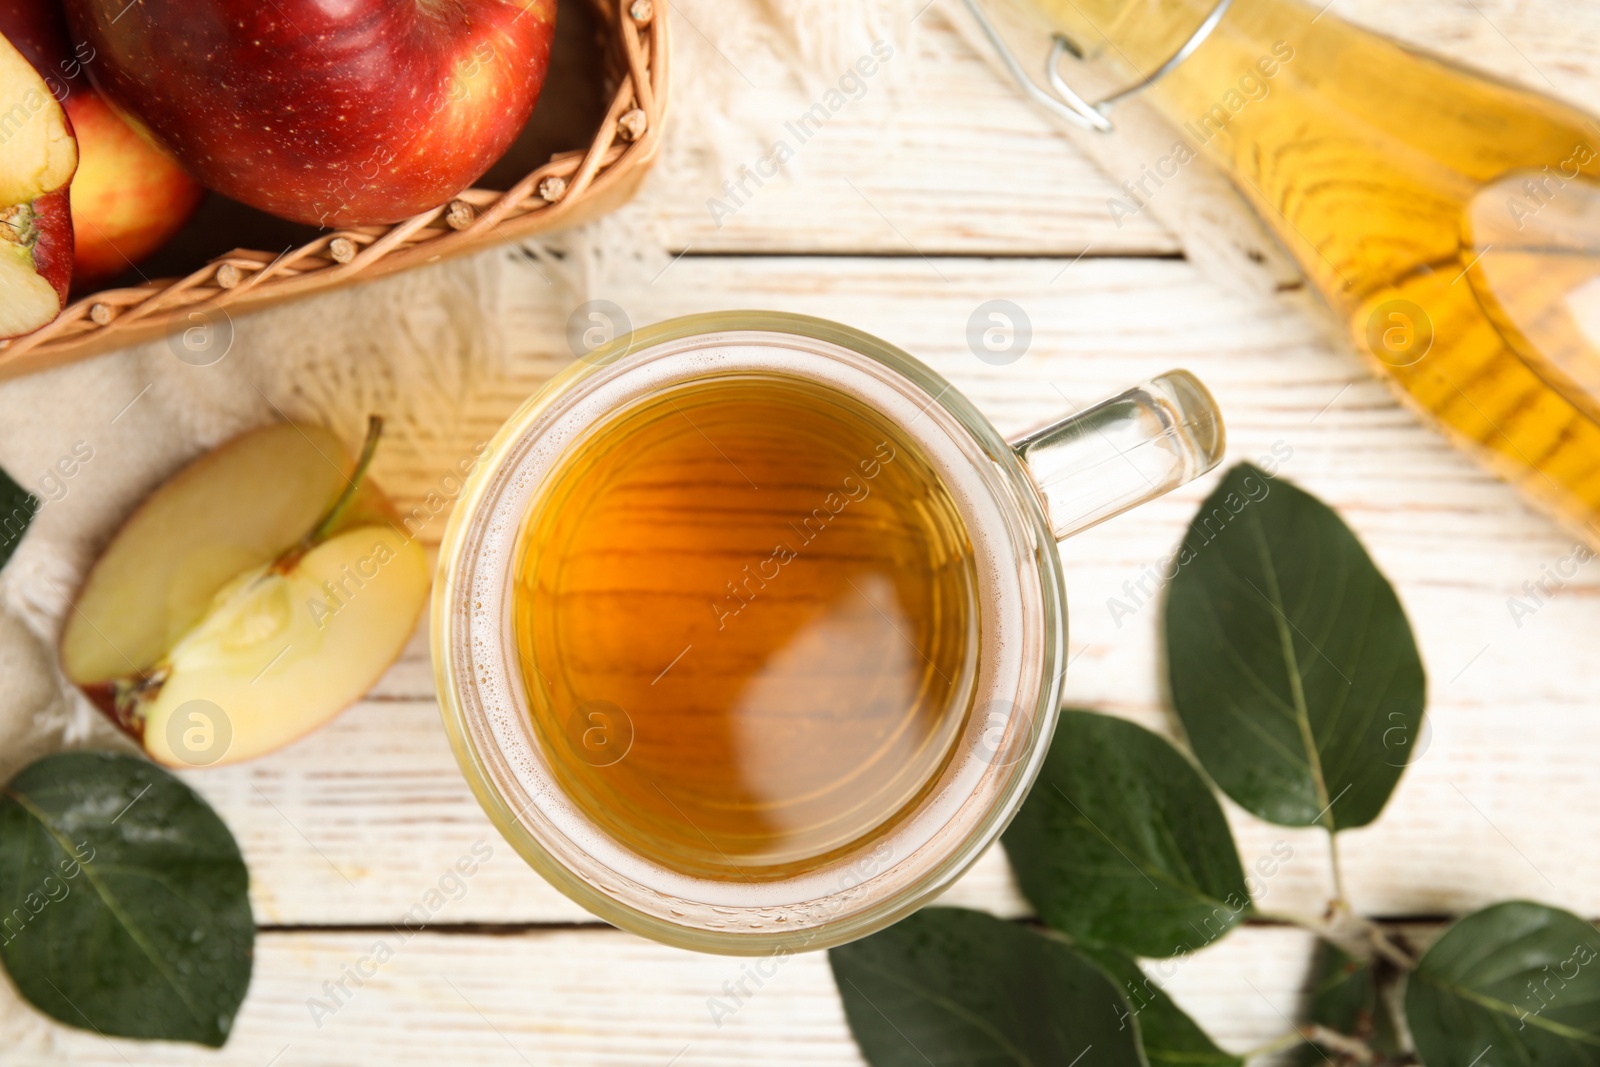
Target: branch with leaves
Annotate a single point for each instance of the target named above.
(1296, 680)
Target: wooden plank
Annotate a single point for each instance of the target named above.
(1512, 742)
(947, 157)
(599, 997)
(936, 155)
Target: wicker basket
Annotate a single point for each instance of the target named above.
(571, 188)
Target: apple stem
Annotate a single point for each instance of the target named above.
(341, 503)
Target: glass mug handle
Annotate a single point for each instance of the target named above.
(1124, 451)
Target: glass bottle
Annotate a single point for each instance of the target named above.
(1450, 221)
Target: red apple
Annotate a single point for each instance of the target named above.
(324, 112)
(129, 197)
(37, 157)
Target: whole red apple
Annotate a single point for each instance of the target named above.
(129, 197)
(37, 157)
(329, 112)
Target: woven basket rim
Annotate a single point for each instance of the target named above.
(571, 187)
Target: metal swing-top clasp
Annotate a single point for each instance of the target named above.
(1059, 97)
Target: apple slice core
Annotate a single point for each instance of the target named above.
(279, 654)
(234, 509)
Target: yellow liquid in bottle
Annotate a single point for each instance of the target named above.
(1452, 222)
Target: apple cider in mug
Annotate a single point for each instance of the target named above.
(749, 629)
(746, 618)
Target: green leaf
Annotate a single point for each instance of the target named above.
(1344, 998)
(957, 988)
(1122, 843)
(1291, 662)
(1169, 1036)
(17, 508)
(1520, 978)
(123, 900)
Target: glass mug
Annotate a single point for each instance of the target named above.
(861, 780)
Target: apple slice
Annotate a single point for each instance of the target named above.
(253, 596)
(38, 156)
(36, 140)
(280, 653)
(128, 196)
(234, 509)
(35, 262)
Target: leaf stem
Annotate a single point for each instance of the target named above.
(1343, 914)
(1340, 900)
(1278, 1044)
(1315, 1034)
(1387, 948)
(1343, 1044)
(1305, 922)
(1352, 930)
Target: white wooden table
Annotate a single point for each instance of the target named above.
(902, 229)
